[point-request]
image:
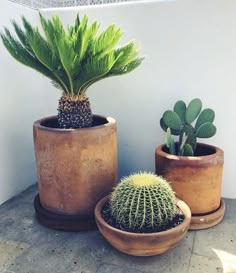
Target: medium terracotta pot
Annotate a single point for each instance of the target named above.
(143, 244)
(75, 167)
(196, 179)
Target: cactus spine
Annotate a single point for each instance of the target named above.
(179, 123)
(143, 201)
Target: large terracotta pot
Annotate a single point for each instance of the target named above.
(143, 244)
(75, 167)
(196, 179)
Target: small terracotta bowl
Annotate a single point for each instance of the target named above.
(143, 244)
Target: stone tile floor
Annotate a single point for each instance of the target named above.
(28, 247)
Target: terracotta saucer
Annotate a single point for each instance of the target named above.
(62, 221)
(208, 220)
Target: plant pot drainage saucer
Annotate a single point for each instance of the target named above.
(62, 221)
(208, 220)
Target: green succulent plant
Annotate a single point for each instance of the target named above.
(73, 58)
(142, 201)
(179, 123)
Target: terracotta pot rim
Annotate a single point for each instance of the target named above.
(218, 151)
(110, 122)
(181, 204)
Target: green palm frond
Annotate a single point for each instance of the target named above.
(95, 69)
(22, 37)
(24, 57)
(73, 58)
(127, 59)
(106, 41)
(126, 68)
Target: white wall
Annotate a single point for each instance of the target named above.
(25, 96)
(190, 49)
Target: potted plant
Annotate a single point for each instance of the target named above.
(76, 151)
(142, 217)
(193, 169)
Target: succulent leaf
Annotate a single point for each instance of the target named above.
(193, 110)
(206, 130)
(170, 142)
(164, 128)
(168, 137)
(180, 109)
(182, 143)
(188, 150)
(163, 125)
(179, 121)
(172, 120)
(207, 115)
(190, 132)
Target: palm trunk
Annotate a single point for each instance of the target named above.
(74, 112)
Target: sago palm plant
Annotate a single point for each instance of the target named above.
(73, 58)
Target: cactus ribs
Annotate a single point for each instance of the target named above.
(107, 216)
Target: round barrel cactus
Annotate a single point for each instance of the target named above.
(143, 201)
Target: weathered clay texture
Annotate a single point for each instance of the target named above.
(197, 180)
(75, 167)
(143, 244)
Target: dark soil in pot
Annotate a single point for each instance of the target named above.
(201, 149)
(106, 215)
(53, 122)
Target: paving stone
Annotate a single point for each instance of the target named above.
(20, 222)
(108, 268)
(9, 251)
(6, 271)
(229, 211)
(64, 254)
(28, 247)
(26, 196)
(201, 264)
(50, 251)
(174, 261)
(221, 237)
(19, 216)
